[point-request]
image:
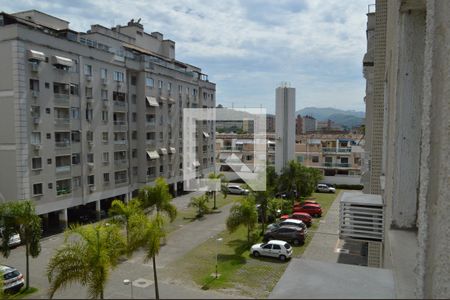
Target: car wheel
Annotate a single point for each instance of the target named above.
(256, 254)
(282, 257)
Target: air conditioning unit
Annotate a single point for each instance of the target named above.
(90, 143)
(104, 81)
(34, 94)
(36, 120)
(34, 67)
(88, 77)
(37, 146)
(91, 166)
(92, 188)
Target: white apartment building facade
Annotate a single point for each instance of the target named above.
(89, 117)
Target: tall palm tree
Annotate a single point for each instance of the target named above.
(223, 185)
(147, 233)
(87, 256)
(158, 197)
(123, 211)
(20, 217)
(243, 213)
(200, 203)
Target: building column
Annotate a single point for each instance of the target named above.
(63, 218)
(98, 209)
(175, 187)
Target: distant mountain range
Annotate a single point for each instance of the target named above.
(346, 118)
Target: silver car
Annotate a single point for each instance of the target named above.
(273, 248)
(12, 279)
(237, 190)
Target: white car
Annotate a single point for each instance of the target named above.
(12, 279)
(14, 240)
(236, 189)
(273, 248)
(323, 188)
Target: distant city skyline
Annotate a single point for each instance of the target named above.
(248, 47)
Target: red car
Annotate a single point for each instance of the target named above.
(304, 217)
(312, 209)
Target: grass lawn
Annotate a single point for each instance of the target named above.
(23, 293)
(240, 272)
(187, 215)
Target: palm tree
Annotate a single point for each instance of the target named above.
(123, 212)
(223, 186)
(88, 255)
(289, 178)
(20, 217)
(200, 203)
(158, 197)
(243, 213)
(147, 233)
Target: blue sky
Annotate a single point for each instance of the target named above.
(248, 47)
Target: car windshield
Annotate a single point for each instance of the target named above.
(287, 246)
(10, 275)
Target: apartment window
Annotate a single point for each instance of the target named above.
(104, 115)
(150, 136)
(117, 96)
(75, 136)
(47, 85)
(344, 160)
(89, 114)
(106, 177)
(103, 73)
(105, 157)
(36, 163)
(134, 135)
(135, 171)
(194, 92)
(149, 82)
(74, 89)
(151, 171)
(49, 161)
(37, 189)
(76, 158)
(134, 153)
(50, 186)
(90, 136)
(90, 157)
(105, 137)
(104, 95)
(34, 85)
(150, 118)
(160, 84)
(205, 95)
(328, 159)
(120, 177)
(315, 159)
(133, 98)
(49, 136)
(88, 70)
(161, 169)
(161, 136)
(133, 117)
(91, 180)
(118, 76)
(61, 88)
(133, 80)
(35, 111)
(75, 113)
(76, 182)
(169, 86)
(180, 89)
(187, 91)
(88, 91)
(35, 138)
(48, 110)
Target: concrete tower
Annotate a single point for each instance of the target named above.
(285, 126)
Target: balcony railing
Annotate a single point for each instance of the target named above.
(120, 125)
(119, 163)
(336, 150)
(62, 169)
(62, 122)
(62, 144)
(337, 165)
(63, 191)
(121, 180)
(120, 105)
(62, 99)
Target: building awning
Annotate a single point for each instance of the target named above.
(152, 101)
(171, 100)
(162, 98)
(271, 143)
(196, 164)
(153, 154)
(172, 150)
(63, 61)
(205, 134)
(163, 151)
(36, 55)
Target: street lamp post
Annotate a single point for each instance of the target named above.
(217, 254)
(128, 282)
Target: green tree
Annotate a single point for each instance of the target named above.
(201, 204)
(271, 181)
(223, 185)
(123, 211)
(20, 217)
(159, 198)
(288, 178)
(303, 179)
(147, 233)
(243, 213)
(87, 256)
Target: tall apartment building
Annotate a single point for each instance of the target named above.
(309, 124)
(409, 141)
(298, 125)
(90, 117)
(284, 126)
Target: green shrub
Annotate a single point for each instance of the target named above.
(349, 186)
